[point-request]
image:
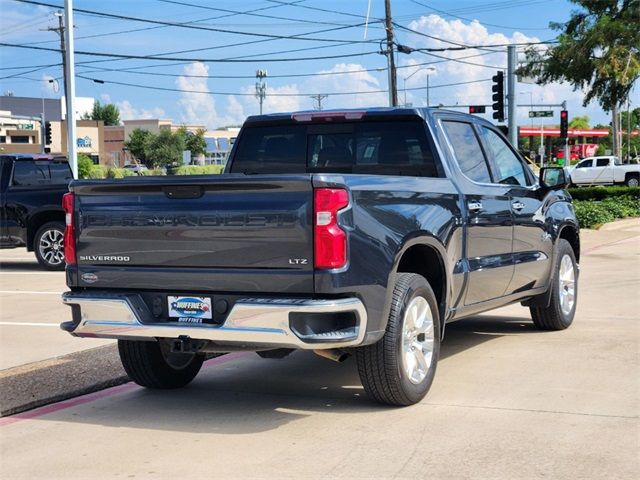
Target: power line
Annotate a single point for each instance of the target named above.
(190, 26)
(471, 20)
(458, 60)
(110, 34)
(246, 94)
(249, 13)
(317, 9)
(178, 59)
(32, 66)
(463, 46)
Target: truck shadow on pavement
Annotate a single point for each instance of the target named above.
(21, 266)
(249, 394)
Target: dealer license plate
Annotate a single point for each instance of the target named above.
(190, 309)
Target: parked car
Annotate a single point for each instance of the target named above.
(604, 170)
(31, 189)
(343, 232)
(136, 168)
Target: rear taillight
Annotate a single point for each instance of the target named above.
(68, 205)
(330, 240)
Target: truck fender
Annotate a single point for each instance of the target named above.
(424, 239)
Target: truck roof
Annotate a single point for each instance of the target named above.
(353, 114)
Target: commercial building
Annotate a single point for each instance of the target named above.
(19, 134)
(89, 139)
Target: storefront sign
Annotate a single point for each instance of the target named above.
(84, 142)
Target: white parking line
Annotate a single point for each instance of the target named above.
(28, 324)
(30, 292)
(4, 272)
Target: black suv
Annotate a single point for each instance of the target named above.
(31, 189)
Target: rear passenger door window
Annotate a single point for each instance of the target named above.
(468, 151)
(28, 172)
(507, 167)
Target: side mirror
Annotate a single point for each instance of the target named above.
(553, 178)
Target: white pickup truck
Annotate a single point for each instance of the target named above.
(604, 170)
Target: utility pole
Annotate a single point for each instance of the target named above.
(393, 81)
(70, 89)
(261, 87)
(318, 98)
(60, 31)
(511, 95)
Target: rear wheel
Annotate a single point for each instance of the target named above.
(48, 246)
(564, 294)
(399, 368)
(632, 182)
(153, 365)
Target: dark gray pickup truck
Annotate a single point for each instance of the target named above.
(343, 232)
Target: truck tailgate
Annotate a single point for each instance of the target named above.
(234, 229)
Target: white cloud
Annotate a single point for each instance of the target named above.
(201, 108)
(353, 82)
(129, 112)
(50, 86)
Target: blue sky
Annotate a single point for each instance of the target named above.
(468, 22)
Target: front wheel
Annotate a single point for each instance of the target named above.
(564, 294)
(48, 246)
(153, 365)
(400, 367)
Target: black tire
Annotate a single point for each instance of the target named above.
(147, 365)
(631, 181)
(48, 245)
(553, 317)
(381, 366)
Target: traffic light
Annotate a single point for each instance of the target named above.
(47, 133)
(498, 96)
(564, 124)
(476, 109)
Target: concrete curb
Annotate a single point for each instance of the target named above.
(34, 385)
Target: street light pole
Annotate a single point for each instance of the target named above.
(430, 70)
(71, 89)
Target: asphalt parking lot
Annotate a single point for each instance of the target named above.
(508, 401)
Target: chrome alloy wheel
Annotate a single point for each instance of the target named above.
(51, 247)
(417, 340)
(567, 285)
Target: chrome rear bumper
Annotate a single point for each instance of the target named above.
(259, 323)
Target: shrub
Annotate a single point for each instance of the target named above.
(198, 170)
(592, 214)
(97, 172)
(85, 164)
(152, 172)
(600, 193)
(118, 173)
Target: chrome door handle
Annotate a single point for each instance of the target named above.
(517, 206)
(474, 206)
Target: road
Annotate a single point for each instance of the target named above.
(508, 402)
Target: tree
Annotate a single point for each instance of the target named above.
(579, 122)
(138, 143)
(165, 149)
(598, 50)
(195, 142)
(108, 113)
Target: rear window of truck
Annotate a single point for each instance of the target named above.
(390, 148)
(40, 172)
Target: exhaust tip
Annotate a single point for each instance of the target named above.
(335, 354)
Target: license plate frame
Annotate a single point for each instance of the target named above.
(190, 308)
